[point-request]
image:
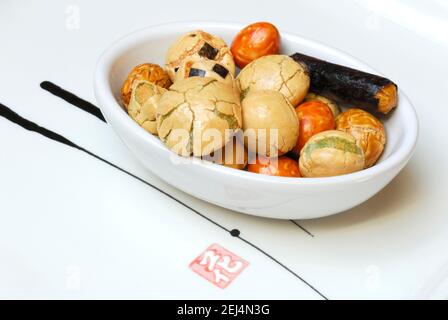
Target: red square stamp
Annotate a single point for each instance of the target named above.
(218, 265)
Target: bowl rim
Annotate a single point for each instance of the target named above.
(112, 109)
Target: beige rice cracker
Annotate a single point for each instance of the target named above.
(278, 73)
(143, 104)
(195, 45)
(197, 114)
(331, 153)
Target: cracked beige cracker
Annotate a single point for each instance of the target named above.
(368, 131)
(195, 45)
(276, 72)
(193, 116)
(330, 153)
(146, 71)
(143, 104)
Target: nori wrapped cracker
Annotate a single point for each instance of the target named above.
(350, 86)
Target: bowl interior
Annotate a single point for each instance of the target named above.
(150, 45)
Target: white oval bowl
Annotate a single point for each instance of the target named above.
(246, 192)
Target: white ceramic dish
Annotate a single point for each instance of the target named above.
(274, 197)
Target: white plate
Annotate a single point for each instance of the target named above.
(275, 197)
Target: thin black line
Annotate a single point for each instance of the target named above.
(72, 99)
(31, 126)
(282, 265)
(309, 233)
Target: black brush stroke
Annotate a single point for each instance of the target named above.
(72, 99)
(12, 116)
(31, 126)
(94, 110)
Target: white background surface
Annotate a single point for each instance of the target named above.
(73, 227)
